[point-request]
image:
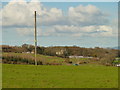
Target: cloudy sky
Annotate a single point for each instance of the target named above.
(85, 24)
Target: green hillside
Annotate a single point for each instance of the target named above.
(28, 58)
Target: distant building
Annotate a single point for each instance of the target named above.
(118, 65)
(32, 52)
(76, 57)
(60, 52)
(79, 57)
(28, 52)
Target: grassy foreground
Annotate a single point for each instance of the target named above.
(45, 76)
(0, 75)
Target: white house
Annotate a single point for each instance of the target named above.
(60, 52)
(118, 65)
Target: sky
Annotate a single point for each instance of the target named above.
(84, 24)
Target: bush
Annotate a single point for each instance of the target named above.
(16, 60)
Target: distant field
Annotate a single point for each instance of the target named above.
(47, 76)
(19, 57)
(28, 56)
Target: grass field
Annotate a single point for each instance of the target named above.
(0, 75)
(45, 76)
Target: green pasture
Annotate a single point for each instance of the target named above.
(61, 76)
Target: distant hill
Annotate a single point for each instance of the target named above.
(116, 47)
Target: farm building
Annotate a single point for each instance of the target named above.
(79, 57)
(60, 52)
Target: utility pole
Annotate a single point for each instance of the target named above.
(35, 41)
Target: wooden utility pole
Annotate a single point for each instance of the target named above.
(35, 41)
